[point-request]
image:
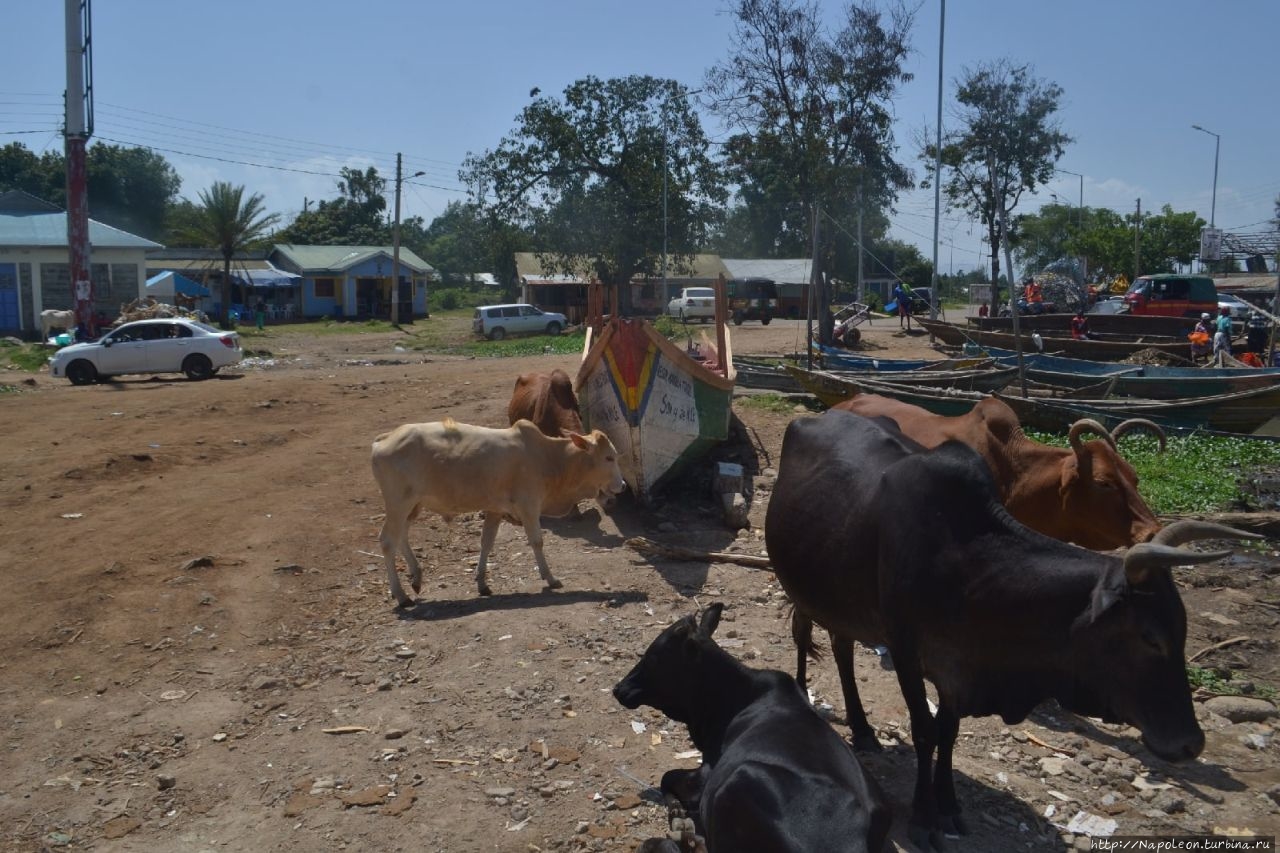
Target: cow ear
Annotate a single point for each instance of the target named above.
(1070, 474)
(1109, 592)
(710, 620)
(579, 441)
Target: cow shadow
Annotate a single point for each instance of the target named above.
(995, 819)
(1192, 776)
(445, 609)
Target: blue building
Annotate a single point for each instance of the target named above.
(354, 281)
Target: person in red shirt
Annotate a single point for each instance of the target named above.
(1080, 326)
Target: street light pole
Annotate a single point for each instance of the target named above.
(1080, 215)
(1217, 140)
(395, 246)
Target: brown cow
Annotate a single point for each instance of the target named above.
(516, 473)
(1086, 494)
(547, 399)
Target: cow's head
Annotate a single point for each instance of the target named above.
(670, 674)
(1098, 491)
(604, 477)
(1129, 647)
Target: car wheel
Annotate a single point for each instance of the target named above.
(764, 321)
(497, 334)
(197, 367)
(737, 318)
(553, 329)
(81, 373)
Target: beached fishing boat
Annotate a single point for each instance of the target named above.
(831, 389)
(1241, 412)
(840, 359)
(1132, 325)
(764, 375)
(663, 406)
(1097, 350)
(1154, 382)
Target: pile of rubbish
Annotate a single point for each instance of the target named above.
(148, 308)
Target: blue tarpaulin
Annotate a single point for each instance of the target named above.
(157, 284)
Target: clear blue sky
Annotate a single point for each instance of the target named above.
(313, 86)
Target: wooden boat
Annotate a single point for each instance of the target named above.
(1132, 325)
(1090, 349)
(1240, 412)
(839, 359)
(661, 405)
(1153, 382)
(831, 389)
(764, 375)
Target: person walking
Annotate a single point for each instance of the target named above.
(260, 313)
(1222, 337)
(901, 297)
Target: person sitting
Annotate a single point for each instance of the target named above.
(1080, 326)
(1201, 337)
(983, 310)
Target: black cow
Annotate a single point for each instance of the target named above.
(920, 555)
(775, 777)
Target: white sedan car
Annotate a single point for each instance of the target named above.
(167, 345)
(693, 303)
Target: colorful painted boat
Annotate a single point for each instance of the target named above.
(662, 406)
(1094, 350)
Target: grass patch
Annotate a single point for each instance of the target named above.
(776, 403)
(1198, 473)
(28, 357)
(1215, 681)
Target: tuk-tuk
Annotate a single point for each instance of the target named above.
(752, 299)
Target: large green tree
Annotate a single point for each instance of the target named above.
(812, 111)
(1167, 239)
(129, 188)
(584, 172)
(357, 217)
(1005, 142)
(230, 223)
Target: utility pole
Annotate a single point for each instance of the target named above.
(1137, 237)
(862, 286)
(395, 246)
(937, 171)
(78, 129)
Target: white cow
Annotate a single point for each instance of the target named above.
(51, 319)
(515, 473)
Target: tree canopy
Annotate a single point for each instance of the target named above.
(1105, 239)
(812, 111)
(1006, 143)
(356, 217)
(584, 173)
(129, 188)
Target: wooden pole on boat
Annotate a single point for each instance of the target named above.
(722, 318)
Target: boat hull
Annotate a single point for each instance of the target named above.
(1087, 349)
(660, 407)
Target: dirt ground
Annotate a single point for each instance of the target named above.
(198, 650)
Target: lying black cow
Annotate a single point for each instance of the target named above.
(775, 777)
(919, 555)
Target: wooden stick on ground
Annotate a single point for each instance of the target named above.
(1231, 642)
(693, 555)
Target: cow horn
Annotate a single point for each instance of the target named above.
(1135, 423)
(1088, 425)
(1141, 560)
(1161, 551)
(1190, 529)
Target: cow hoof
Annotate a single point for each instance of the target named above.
(554, 584)
(867, 742)
(953, 826)
(484, 589)
(417, 587)
(405, 603)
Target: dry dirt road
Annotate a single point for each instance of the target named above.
(198, 650)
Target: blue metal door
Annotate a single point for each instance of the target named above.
(9, 320)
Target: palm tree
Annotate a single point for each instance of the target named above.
(230, 223)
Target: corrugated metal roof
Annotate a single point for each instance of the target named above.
(339, 258)
(1246, 281)
(532, 271)
(27, 222)
(782, 271)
